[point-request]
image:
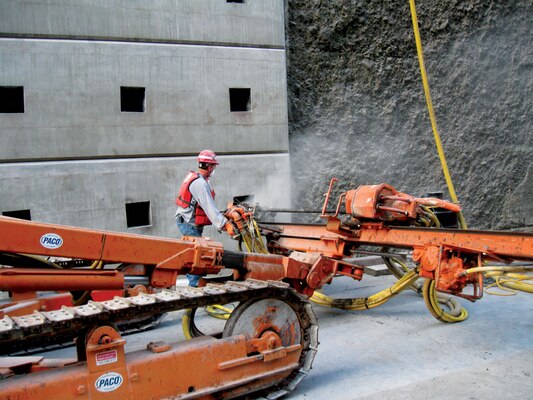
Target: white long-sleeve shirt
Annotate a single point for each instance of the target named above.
(201, 192)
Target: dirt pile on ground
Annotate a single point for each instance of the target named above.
(357, 109)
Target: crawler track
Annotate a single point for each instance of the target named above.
(20, 333)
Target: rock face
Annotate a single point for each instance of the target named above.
(357, 109)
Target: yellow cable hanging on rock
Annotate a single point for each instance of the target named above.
(429, 103)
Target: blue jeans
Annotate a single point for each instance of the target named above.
(191, 230)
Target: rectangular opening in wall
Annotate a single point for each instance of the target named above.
(236, 1)
(132, 99)
(20, 214)
(11, 99)
(138, 214)
(240, 99)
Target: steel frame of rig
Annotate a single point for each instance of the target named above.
(269, 341)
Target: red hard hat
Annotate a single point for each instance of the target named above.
(208, 157)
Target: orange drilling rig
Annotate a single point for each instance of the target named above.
(269, 341)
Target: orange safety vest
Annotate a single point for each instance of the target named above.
(185, 200)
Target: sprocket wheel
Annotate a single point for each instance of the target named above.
(291, 320)
(256, 317)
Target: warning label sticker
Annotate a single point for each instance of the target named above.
(106, 357)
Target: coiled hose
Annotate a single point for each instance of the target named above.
(431, 298)
(455, 312)
(407, 278)
(508, 279)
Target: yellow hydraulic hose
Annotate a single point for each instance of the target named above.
(510, 283)
(367, 302)
(186, 324)
(219, 311)
(251, 237)
(456, 313)
(432, 112)
(506, 278)
(489, 268)
(455, 309)
(431, 216)
(432, 302)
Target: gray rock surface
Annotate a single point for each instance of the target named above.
(357, 109)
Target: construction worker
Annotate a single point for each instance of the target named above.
(196, 202)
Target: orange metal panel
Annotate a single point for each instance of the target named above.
(515, 245)
(18, 236)
(40, 279)
(195, 368)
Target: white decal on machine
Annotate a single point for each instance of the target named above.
(108, 382)
(106, 357)
(51, 241)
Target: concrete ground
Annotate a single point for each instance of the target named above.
(399, 351)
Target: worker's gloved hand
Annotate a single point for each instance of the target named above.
(230, 228)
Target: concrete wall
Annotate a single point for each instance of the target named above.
(93, 193)
(257, 23)
(72, 99)
(74, 158)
